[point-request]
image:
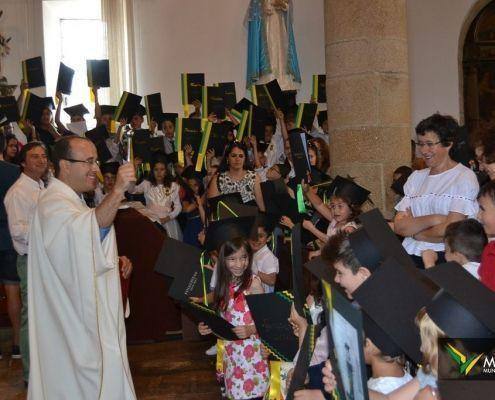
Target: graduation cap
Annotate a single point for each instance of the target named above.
(107, 110)
(141, 142)
(257, 121)
(34, 106)
(213, 101)
(77, 110)
(32, 72)
(319, 89)
(154, 109)
(219, 326)
(229, 197)
(350, 190)
(218, 232)
(305, 117)
(463, 307)
(229, 94)
(191, 84)
(231, 208)
(290, 101)
(392, 296)
(98, 136)
(270, 312)
(383, 237)
(380, 338)
(365, 249)
(299, 151)
(243, 105)
(275, 94)
(8, 108)
(322, 117)
(278, 201)
(321, 269)
(172, 117)
(128, 104)
(218, 137)
(261, 97)
(98, 73)
(109, 168)
(64, 80)
(175, 256)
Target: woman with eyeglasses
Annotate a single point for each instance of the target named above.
(236, 176)
(442, 193)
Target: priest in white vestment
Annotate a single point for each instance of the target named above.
(76, 324)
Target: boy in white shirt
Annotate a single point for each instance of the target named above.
(265, 264)
(464, 242)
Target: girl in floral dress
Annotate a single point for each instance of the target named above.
(246, 373)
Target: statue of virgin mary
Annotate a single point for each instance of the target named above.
(271, 45)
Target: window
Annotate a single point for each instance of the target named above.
(74, 33)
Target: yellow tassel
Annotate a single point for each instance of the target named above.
(113, 126)
(186, 110)
(220, 350)
(275, 386)
(91, 95)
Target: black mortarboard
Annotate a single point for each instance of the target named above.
(384, 239)
(380, 338)
(229, 208)
(270, 312)
(321, 269)
(141, 144)
(218, 138)
(299, 151)
(392, 296)
(8, 107)
(257, 121)
(98, 72)
(220, 327)
(276, 94)
(109, 168)
(229, 95)
(220, 231)
(230, 197)
(319, 88)
(174, 255)
(77, 110)
(47, 102)
(290, 102)
(64, 80)
(32, 72)
(192, 84)
(463, 307)
(128, 104)
(260, 97)
(34, 106)
(172, 117)
(243, 105)
(107, 110)
(350, 190)
(213, 101)
(153, 103)
(305, 117)
(365, 249)
(278, 201)
(322, 117)
(98, 136)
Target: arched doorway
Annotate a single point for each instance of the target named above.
(478, 63)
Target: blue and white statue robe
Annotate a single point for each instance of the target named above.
(271, 45)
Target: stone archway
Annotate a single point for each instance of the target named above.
(469, 75)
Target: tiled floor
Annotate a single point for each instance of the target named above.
(161, 371)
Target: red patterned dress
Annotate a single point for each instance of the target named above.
(246, 373)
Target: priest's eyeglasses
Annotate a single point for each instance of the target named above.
(89, 161)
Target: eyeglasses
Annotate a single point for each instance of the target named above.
(90, 162)
(429, 145)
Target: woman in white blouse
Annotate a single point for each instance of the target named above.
(162, 198)
(442, 193)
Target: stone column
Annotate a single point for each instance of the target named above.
(368, 92)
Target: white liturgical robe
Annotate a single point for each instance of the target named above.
(76, 325)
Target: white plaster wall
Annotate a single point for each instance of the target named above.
(174, 36)
(434, 29)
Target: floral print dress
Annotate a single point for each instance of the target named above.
(246, 373)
